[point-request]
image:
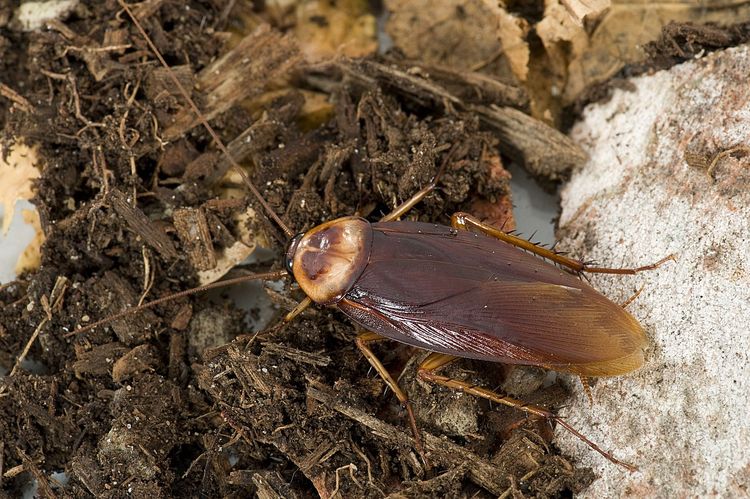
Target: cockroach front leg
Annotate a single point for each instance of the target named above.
(464, 221)
(363, 341)
(301, 307)
(427, 372)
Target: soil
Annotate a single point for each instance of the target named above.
(185, 399)
(678, 42)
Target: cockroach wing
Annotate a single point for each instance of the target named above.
(473, 296)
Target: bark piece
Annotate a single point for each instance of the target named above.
(143, 358)
(243, 72)
(544, 151)
(141, 224)
(99, 360)
(114, 294)
(192, 228)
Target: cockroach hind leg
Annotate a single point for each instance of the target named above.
(632, 297)
(628, 271)
(363, 341)
(587, 388)
(435, 361)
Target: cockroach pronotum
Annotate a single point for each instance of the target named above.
(465, 291)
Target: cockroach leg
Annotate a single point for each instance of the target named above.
(632, 298)
(301, 307)
(587, 388)
(435, 361)
(363, 341)
(464, 221)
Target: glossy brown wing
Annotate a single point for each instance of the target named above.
(473, 296)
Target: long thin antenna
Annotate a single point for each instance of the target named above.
(269, 276)
(204, 122)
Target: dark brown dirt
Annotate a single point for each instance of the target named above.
(138, 408)
(678, 42)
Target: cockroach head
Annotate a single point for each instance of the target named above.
(328, 259)
(291, 250)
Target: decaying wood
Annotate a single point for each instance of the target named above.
(142, 358)
(270, 485)
(114, 295)
(86, 470)
(541, 149)
(141, 224)
(159, 82)
(192, 229)
(471, 87)
(261, 57)
(529, 141)
(98, 360)
(296, 354)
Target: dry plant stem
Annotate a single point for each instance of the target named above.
(56, 297)
(205, 123)
(20, 101)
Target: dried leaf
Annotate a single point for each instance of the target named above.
(18, 171)
(579, 10)
(627, 26)
(512, 34)
(557, 25)
(468, 35)
(328, 29)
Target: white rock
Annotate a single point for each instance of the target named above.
(34, 15)
(684, 418)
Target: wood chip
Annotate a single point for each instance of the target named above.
(141, 224)
(115, 294)
(192, 229)
(98, 360)
(143, 358)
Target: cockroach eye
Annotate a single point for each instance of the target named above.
(291, 250)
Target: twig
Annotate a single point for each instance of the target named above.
(21, 101)
(58, 291)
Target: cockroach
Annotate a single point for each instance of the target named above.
(465, 291)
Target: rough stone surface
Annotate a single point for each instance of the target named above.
(683, 418)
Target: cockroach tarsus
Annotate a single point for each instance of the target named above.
(465, 291)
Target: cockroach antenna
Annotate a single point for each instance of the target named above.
(204, 122)
(267, 276)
